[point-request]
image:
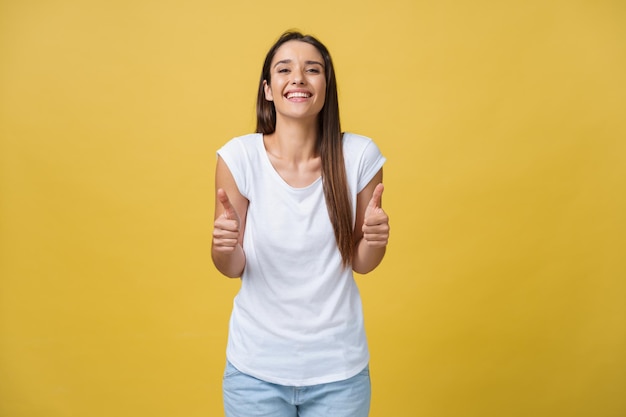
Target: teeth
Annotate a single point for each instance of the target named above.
(298, 94)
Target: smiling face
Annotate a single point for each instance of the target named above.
(297, 83)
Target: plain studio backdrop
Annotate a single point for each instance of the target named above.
(503, 292)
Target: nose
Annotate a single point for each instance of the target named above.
(298, 77)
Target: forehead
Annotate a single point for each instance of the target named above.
(297, 51)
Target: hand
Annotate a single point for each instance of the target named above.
(226, 226)
(376, 222)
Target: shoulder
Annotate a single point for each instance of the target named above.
(241, 156)
(362, 158)
(241, 147)
(241, 150)
(355, 146)
(355, 140)
(246, 141)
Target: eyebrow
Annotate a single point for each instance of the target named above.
(288, 61)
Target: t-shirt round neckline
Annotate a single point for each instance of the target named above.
(279, 330)
(281, 180)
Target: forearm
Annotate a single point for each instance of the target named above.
(366, 257)
(230, 263)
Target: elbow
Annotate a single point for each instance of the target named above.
(362, 270)
(232, 275)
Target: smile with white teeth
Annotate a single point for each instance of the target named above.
(298, 94)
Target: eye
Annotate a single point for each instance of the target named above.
(283, 70)
(313, 70)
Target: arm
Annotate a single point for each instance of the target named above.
(230, 223)
(371, 230)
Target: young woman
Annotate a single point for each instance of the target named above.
(298, 209)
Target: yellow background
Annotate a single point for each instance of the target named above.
(504, 289)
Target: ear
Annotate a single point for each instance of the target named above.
(268, 91)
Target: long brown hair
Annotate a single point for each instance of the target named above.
(329, 142)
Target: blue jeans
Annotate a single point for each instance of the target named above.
(246, 396)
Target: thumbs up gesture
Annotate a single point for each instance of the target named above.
(376, 222)
(227, 225)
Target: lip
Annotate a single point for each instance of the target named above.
(300, 95)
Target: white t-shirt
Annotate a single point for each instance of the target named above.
(297, 319)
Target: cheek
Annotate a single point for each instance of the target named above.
(322, 99)
(322, 93)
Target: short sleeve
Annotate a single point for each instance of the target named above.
(370, 163)
(234, 154)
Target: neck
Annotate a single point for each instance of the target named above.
(295, 140)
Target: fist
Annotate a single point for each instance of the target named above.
(226, 226)
(376, 222)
